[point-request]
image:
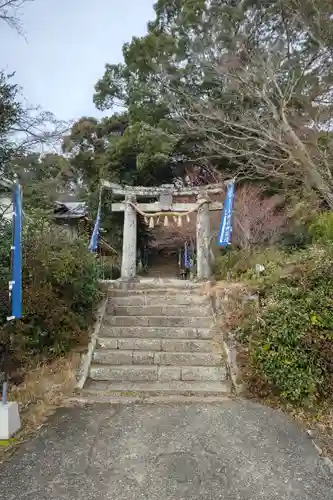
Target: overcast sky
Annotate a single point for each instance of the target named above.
(67, 45)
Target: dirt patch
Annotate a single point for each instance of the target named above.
(319, 425)
(43, 389)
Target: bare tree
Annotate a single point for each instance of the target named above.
(10, 13)
(276, 120)
(270, 139)
(38, 129)
(258, 219)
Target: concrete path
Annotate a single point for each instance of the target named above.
(230, 451)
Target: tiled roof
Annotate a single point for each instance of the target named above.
(70, 210)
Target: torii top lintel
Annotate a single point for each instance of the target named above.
(157, 191)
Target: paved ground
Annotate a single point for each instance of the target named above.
(233, 451)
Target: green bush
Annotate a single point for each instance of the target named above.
(109, 271)
(291, 347)
(297, 239)
(290, 343)
(321, 228)
(60, 293)
(241, 263)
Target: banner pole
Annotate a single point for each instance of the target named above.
(9, 410)
(9, 317)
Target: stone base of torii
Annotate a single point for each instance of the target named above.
(164, 205)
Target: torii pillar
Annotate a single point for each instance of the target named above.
(128, 263)
(204, 270)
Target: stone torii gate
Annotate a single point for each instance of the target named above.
(164, 205)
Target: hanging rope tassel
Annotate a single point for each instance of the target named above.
(146, 220)
(180, 221)
(166, 221)
(188, 218)
(151, 223)
(158, 221)
(174, 219)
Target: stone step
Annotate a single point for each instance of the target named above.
(154, 373)
(135, 357)
(153, 283)
(170, 345)
(151, 389)
(160, 292)
(129, 373)
(160, 310)
(92, 398)
(158, 321)
(143, 299)
(161, 332)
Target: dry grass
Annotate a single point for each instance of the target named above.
(232, 302)
(221, 288)
(44, 389)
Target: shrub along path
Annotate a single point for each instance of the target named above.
(200, 452)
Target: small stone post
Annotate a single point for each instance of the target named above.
(128, 263)
(203, 240)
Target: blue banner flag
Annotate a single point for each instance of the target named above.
(226, 221)
(16, 283)
(94, 237)
(187, 257)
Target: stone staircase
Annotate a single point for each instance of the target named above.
(157, 342)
